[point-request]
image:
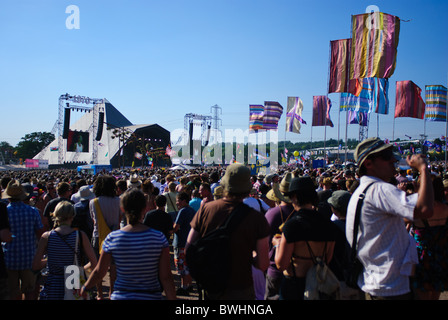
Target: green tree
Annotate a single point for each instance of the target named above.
(33, 143)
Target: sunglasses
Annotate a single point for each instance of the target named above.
(385, 155)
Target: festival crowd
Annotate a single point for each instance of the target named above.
(122, 224)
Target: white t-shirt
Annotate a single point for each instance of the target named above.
(385, 247)
(253, 203)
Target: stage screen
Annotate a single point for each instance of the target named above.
(78, 141)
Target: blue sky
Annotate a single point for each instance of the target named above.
(156, 61)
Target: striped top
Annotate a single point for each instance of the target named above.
(136, 256)
(61, 253)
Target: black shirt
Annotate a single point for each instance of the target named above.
(309, 225)
(159, 220)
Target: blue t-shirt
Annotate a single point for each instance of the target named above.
(195, 203)
(136, 256)
(183, 219)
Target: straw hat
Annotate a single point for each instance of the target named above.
(15, 191)
(271, 195)
(283, 188)
(367, 147)
(134, 181)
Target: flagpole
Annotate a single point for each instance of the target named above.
(446, 126)
(395, 106)
(339, 124)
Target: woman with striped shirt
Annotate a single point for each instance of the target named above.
(141, 256)
(59, 245)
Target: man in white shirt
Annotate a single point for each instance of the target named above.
(385, 248)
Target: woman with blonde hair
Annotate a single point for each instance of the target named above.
(59, 245)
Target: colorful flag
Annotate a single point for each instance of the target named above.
(373, 97)
(138, 155)
(321, 111)
(271, 115)
(374, 45)
(408, 101)
(358, 117)
(256, 117)
(435, 97)
(339, 65)
(294, 114)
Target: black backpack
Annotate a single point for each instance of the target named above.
(209, 257)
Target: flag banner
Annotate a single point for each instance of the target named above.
(272, 113)
(256, 117)
(408, 100)
(321, 111)
(435, 100)
(294, 114)
(373, 97)
(358, 117)
(374, 45)
(339, 65)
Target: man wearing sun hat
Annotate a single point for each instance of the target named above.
(26, 227)
(250, 235)
(385, 248)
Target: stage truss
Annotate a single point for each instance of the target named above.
(78, 103)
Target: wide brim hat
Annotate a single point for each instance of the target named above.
(85, 193)
(15, 191)
(134, 181)
(368, 147)
(283, 188)
(272, 195)
(237, 179)
(29, 189)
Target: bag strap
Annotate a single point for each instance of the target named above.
(171, 201)
(237, 215)
(76, 244)
(362, 195)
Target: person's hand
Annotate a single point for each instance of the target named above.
(276, 240)
(417, 161)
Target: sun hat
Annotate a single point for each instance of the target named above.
(237, 179)
(339, 200)
(272, 195)
(368, 147)
(134, 181)
(14, 190)
(282, 189)
(85, 193)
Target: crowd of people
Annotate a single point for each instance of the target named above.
(122, 223)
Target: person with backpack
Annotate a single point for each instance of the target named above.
(306, 235)
(385, 248)
(249, 235)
